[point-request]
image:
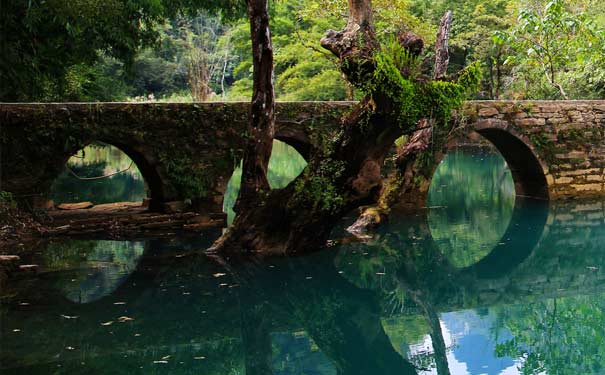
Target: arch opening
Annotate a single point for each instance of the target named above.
(103, 173)
(525, 167)
(285, 165)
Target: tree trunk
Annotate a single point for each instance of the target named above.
(261, 128)
(346, 173)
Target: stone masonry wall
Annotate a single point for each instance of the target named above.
(555, 149)
(568, 138)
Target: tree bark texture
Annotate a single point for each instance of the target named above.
(346, 172)
(442, 55)
(261, 129)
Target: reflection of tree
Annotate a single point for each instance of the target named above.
(177, 303)
(559, 336)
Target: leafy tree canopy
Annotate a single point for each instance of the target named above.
(43, 40)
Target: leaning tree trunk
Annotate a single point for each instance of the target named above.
(261, 128)
(346, 173)
(407, 184)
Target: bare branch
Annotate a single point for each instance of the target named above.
(442, 55)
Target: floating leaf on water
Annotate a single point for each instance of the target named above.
(123, 319)
(107, 323)
(219, 274)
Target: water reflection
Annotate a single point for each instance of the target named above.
(393, 305)
(285, 164)
(94, 161)
(95, 268)
(531, 303)
(472, 196)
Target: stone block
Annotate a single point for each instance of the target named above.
(488, 112)
(581, 172)
(564, 180)
(556, 120)
(531, 122)
(588, 187)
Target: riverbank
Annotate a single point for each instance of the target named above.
(17, 227)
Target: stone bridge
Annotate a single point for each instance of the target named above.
(188, 151)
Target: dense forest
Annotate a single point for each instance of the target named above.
(196, 50)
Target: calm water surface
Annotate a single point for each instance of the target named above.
(95, 161)
(478, 283)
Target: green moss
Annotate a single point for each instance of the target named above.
(417, 99)
(544, 146)
(319, 189)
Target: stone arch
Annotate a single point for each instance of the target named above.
(297, 139)
(158, 191)
(521, 237)
(526, 167)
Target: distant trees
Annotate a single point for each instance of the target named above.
(86, 50)
(556, 52)
(50, 49)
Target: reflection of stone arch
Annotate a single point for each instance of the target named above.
(520, 239)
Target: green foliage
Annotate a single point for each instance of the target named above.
(86, 50)
(6, 198)
(414, 99)
(544, 146)
(556, 48)
(192, 182)
(42, 41)
(318, 187)
(303, 71)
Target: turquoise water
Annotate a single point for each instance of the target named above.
(285, 164)
(477, 284)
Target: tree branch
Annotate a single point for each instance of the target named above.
(442, 55)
